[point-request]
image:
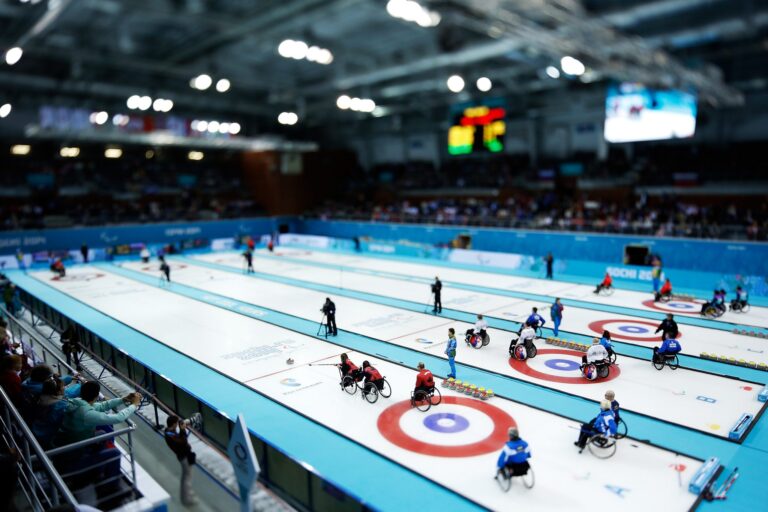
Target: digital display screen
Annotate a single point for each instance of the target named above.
(477, 129)
(634, 112)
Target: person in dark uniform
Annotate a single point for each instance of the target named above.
(248, 255)
(84, 252)
(437, 288)
(549, 260)
(165, 269)
(668, 327)
(329, 310)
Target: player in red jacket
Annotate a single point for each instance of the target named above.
(607, 283)
(372, 375)
(666, 291)
(424, 380)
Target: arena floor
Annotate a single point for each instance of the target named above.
(245, 326)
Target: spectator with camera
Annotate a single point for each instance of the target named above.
(176, 437)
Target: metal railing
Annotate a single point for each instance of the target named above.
(41, 483)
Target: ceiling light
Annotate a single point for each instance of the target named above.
(99, 118)
(223, 85)
(224, 128)
(344, 102)
(13, 55)
(201, 82)
(553, 72)
(202, 126)
(355, 104)
(113, 153)
(367, 105)
(234, 128)
(144, 103)
(286, 48)
(299, 50)
(120, 120)
(149, 154)
(313, 53)
(484, 84)
(5, 110)
(455, 83)
(213, 126)
(195, 155)
(162, 105)
(572, 66)
(133, 102)
(67, 152)
(289, 118)
(412, 11)
(21, 149)
(326, 57)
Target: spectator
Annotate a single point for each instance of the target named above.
(176, 437)
(10, 377)
(83, 414)
(70, 345)
(9, 298)
(49, 412)
(32, 388)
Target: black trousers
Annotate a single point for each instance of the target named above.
(332, 329)
(438, 304)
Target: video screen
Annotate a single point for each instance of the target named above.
(634, 112)
(477, 128)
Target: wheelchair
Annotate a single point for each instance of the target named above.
(424, 400)
(606, 291)
(473, 340)
(602, 369)
(505, 475)
(601, 446)
(662, 360)
(530, 350)
(712, 311)
(368, 390)
(738, 307)
(621, 429)
(664, 297)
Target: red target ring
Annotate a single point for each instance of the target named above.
(669, 307)
(616, 334)
(389, 426)
(78, 277)
(522, 367)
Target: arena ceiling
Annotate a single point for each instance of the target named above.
(97, 53)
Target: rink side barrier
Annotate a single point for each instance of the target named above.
(705, 475)
(741, 426)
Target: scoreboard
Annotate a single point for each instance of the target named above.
(477, 129)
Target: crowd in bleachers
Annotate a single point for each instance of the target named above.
(548, 210)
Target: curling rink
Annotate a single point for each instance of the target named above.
(245, 327)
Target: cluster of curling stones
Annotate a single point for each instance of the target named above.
(567, 344)
(732, 360)
(756, 334)
(467, 388)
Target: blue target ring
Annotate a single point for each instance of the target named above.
(446, 423)
(680, 305)
(564, 365)
(633, 329)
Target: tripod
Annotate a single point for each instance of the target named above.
(321, 325)
(429, 303)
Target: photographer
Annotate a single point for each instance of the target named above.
(329, 310)
(176, 435)
(437, 288)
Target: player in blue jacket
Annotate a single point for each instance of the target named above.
(604, 423)
(450, 351)
(670, 346)
(606, 342)
(514, 456)
(535, 319)
(611, 397)
(741, 299)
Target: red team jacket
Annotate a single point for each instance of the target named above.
(424, 378)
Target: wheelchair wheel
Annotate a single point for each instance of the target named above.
(370, 393)
(421, 401)
(603, 370)
(436, 397)
(475, 343)
(658, 363)
(607, 291)
(744, 308)
(602, 447)
(532, 351)
(621, 429)
(486, 339)
(673, 363)
(529, 479)
(665, 298)
(386, 389)
(612, 358)
(504, 481)
(348, 384)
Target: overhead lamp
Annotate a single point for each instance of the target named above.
(21, 149)
(484, 84)
(455, 83)
(98, 118)
(213, 126)
(69, 152)
(223, 85)
(234, 128)
(553, 72)
(289, 118)
(144, 103)
(572, 66)
(344, 102)
(201, 82)
(13, 55)
(409, 10)
(195, 155)
(133, 102)
(113, 153)
(5, 110)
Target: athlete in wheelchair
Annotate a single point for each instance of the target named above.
(600, 433)
(350, 373)
(740, 304)
(715, 307)
(523, 348)
(666, 355)
(425, 394)
(513, 462)
(596, 363)
(606, 341)
(477, 336)
(606, 286)
(665, 294)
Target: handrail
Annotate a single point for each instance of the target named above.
(92, 440)
(30, 439)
